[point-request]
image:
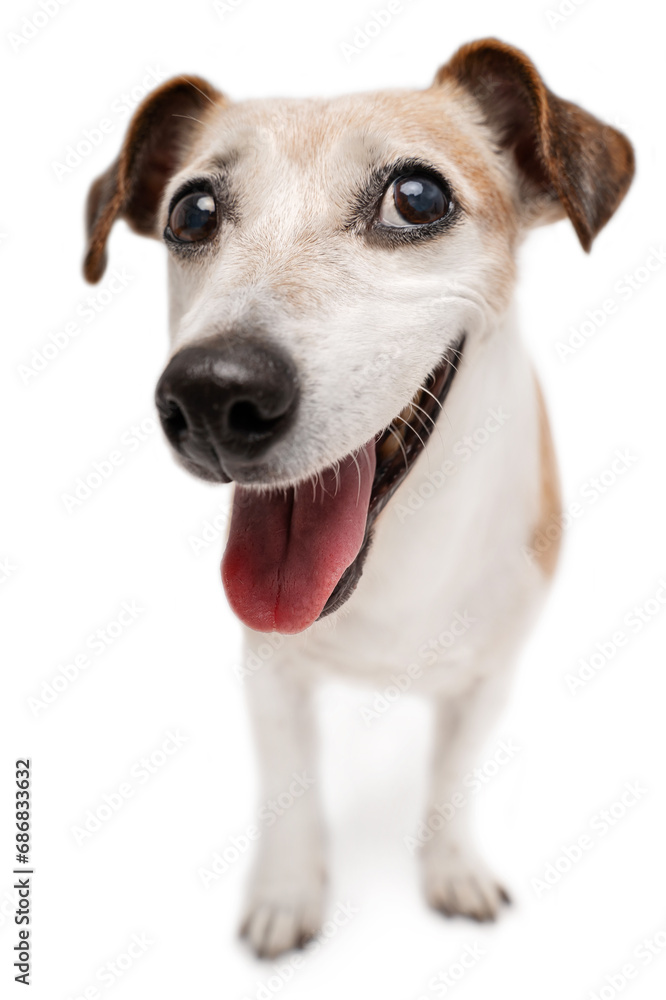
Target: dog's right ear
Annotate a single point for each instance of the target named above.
(155, 147)
(566, 158)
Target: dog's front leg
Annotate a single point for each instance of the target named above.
(284, 908)
(456, 879)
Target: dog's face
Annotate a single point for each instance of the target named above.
(331, 262)
(356, 240)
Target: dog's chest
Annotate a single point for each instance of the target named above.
(446, 580)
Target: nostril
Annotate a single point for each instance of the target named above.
(174, 420)
(244, 418)
(225, 401)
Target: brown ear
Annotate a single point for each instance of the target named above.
(153, 150)
(562, 151)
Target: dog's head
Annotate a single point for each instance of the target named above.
(331, 262)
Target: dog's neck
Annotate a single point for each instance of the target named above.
(485, 441)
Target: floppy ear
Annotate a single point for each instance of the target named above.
(154, 148)
(562, 152)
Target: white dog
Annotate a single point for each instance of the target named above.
(338, 269)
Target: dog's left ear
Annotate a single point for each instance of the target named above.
(154, 148)
(562, 152)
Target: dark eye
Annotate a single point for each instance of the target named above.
(194, 217)
(413, 201)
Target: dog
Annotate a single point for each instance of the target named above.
(345, 351)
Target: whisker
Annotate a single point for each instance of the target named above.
(337, 478)
(198, 89)
(407, 423)
(423, 389)
(358, 471)
(415, 406)
(414, 431)
(420, 420)
(435, 425)
(448, 418)
(395, 434)
(191, 118)
(367, 459)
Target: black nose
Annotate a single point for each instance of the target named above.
(226, 402)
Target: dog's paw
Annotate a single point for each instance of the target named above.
(458, 883)
(285, 902)
(277, 921)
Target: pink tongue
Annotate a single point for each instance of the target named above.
(286, 552)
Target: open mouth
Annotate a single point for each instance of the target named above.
(297, 555)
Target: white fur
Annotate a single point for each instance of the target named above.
(462, 551)
(365, 327)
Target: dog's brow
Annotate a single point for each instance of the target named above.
(221, 162)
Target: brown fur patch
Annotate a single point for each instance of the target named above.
(550, 500)
(562, 151)
(154, 146)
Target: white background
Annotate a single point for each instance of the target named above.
(173, 669)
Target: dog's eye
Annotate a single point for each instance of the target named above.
(194, 217)
(413, 201)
